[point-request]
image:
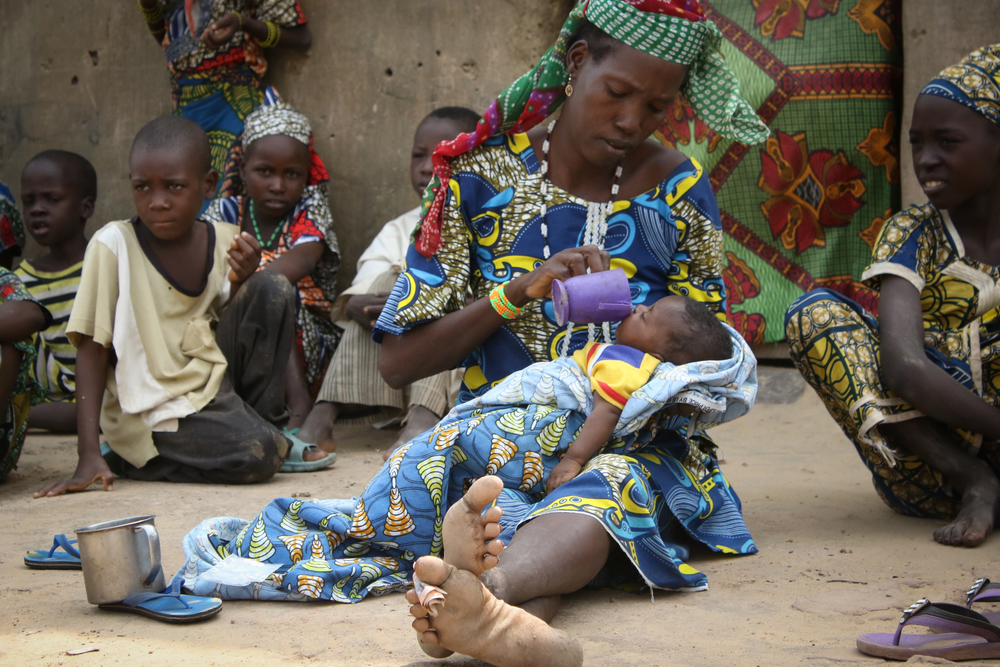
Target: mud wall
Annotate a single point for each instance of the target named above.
(85, 76)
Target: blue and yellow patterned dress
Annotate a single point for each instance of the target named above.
(668, 241)
(835, 345)
(655, 493)
(218, 88)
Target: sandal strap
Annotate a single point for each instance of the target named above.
(947, 618)
(171, 591)
(982, 591)
(60, 541)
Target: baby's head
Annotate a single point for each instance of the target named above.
(170, 167)
(442, 124)
(955, 131)
(676, 329)
(276, 158)
(58, 191)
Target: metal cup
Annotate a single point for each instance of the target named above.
(120, 558)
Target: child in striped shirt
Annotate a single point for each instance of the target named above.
(58, 192)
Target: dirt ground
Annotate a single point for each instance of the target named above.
(834, 562)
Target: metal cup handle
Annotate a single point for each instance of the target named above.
(154, 552)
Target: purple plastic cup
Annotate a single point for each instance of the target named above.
(591, 298)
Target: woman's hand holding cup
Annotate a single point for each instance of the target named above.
(564, 264)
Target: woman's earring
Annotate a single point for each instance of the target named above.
(569, 87)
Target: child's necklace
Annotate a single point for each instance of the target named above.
(256, 229)
(594, 232)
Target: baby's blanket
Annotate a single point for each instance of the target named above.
(720, 390)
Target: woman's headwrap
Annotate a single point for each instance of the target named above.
(674, 30)
(274, 116)
(11, 229)
(974, 82)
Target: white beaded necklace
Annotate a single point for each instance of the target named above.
(594, 232)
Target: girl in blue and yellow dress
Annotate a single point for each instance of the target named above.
(917, 390)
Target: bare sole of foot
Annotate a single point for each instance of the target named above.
(475, 623)
(318, 426)
(468, 533)
(472, 535)
(419, 420)
(975, 521)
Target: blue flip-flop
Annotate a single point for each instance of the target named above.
(67, 559)
(170, 606)
(294, 462)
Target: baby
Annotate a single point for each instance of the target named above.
(674, 329)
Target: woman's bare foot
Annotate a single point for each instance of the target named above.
(419, 420)
(318, 426)
(475, 623)
(469, 534)
(975, 521)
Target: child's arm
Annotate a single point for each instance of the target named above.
(298, 262)
(595, 434)
(91, 378)
(220, 32)
(18, 320)
(244, 258)
(908, 372)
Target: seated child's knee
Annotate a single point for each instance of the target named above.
(266, 455)
(271, 284)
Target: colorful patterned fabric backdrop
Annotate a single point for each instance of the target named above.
(802, 210)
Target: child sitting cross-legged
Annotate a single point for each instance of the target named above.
(285, 208)
(183, 343)
(58, 192)
(675, 329)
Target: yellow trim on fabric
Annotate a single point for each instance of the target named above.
(474, 378)
(518, 142)
(686, 184)
(411, 292)
(625, 265)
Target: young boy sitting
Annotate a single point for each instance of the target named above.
(675, 329)
(185, 346)
(352, 378)
(58, 192)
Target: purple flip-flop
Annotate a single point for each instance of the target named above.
(984, 591)
(962, 635)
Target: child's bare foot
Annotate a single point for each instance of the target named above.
(469, 535)
(475, 623)
(975, 521)
(318, 426)
(419, 420)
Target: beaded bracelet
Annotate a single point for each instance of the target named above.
(273, 35)
(502, 304)
(239, 21)
(153, 16)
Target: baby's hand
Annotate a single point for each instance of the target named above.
(564, 471)
(244, 257)
(220, 32)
